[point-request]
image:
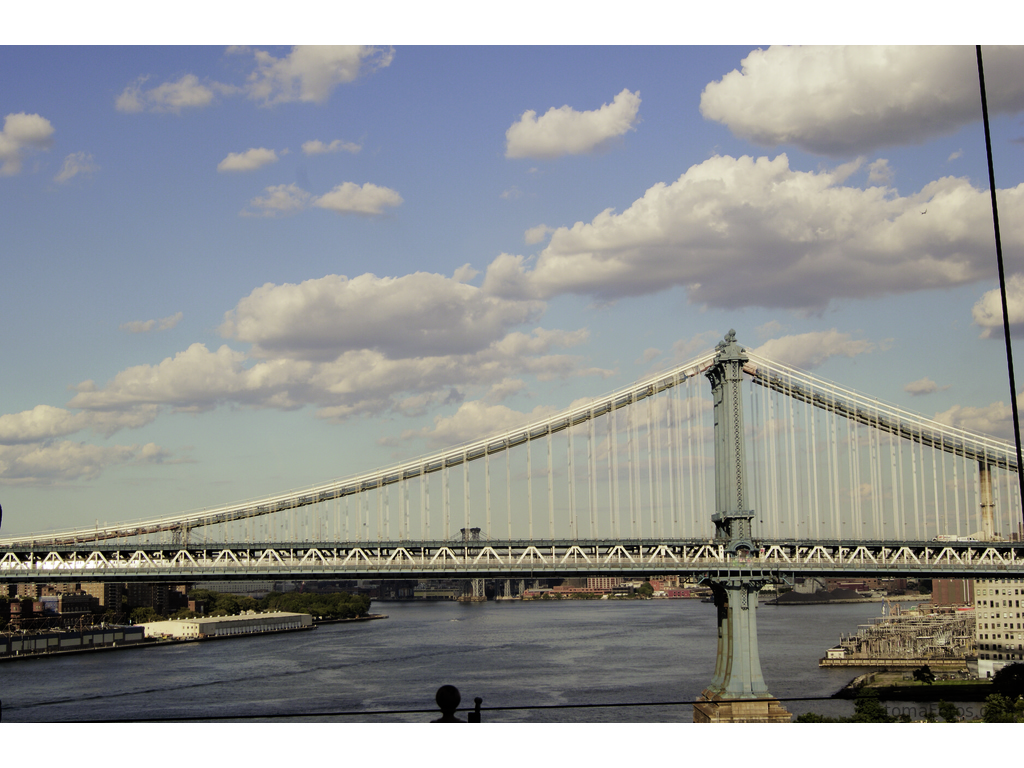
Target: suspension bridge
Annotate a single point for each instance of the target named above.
(768, 474)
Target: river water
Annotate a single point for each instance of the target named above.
(512, 654)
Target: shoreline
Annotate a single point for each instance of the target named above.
(852, 601)
(152, 643)
(941, 690)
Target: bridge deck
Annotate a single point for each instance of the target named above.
(775, 560)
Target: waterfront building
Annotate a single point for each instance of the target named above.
(109, 593)
(255, 589)
(999, 633)
(603, 582)
(949, 592)
(224, 626)
(29, 643)
(148, 595)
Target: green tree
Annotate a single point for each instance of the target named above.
(999, 709)
(813, 717)
(924, 675)
(645, 589)
(145, 615)
(1009, 681)
(949, 712)
(868, 709)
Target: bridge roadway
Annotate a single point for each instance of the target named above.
(773, 560)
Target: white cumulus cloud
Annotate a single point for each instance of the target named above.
(74, 164)
(923, 386)
(279, 200)
(536, 234)
(995, 419)
(317, 147)
(249, 160)
(22, 133)
(565, 131)
(418, 314)
(987, 312)
(311, 72)
(184, 93)
(840, 100)
(368, 199)
(809, 350)
(145, 326)
(474, 419)
(737, 232)
(65, 461)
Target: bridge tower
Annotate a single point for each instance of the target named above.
(737, 692)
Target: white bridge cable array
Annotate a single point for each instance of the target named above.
(823, 463)
(830, 464)
(275, 519)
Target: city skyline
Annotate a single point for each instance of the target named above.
(243, 270)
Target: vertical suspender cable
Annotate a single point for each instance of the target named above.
(446, 499)
(689, 458)
(572, 485)
(465, 488)
(808, 454)
(613, 447)
(508, 487)
(788, 438)
(424, 505)
(405, 509)
(976, 476)
(611, 501)
(1008, 505)
(529, 484)
(945, 528)
(670, 429)
(487, 490)
(935, 490)
(630, 420)
(913, 479)
(702, 475)
(897, 515)
(650, 470)
(815, 507)
(956, 494)
(551, 491)
(754, 425)
(592, 476)
(793, 502)
(1002, 275)
(365, 503)
(771, 437)
(854, 456)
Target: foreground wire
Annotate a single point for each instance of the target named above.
(433, 711)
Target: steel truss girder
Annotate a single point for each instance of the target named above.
(515, 559)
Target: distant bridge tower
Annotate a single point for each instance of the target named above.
(473, 589)
(738, 692)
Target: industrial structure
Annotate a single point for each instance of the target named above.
(940, 639)
(228, 626)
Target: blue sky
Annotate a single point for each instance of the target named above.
(233, 271)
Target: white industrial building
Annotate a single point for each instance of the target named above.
(224, 626)
(1000, 636)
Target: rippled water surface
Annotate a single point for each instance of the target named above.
(512, 654)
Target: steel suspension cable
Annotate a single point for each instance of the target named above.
(1002, 273)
